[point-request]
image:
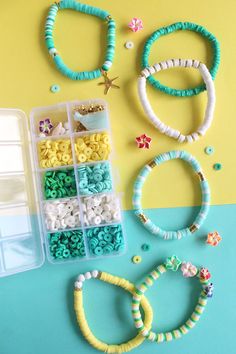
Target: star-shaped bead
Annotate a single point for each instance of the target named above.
(108, 83)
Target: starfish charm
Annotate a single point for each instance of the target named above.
(108, 83)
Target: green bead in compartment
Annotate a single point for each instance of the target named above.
(105, 240)
(59, 184)
(67, 244)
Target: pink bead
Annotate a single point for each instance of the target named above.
(136, 24)
(188, 269)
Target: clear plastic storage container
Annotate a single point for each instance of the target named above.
(57, 186)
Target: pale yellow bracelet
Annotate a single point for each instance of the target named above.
(82, 321)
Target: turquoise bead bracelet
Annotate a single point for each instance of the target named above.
(176, 27)
(137, 195)
(90, 10)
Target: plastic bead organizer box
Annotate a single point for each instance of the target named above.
(76, 213)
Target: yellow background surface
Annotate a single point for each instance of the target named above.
(27, 72)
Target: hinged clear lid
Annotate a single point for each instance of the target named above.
(20, 235)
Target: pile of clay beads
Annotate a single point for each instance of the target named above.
(105, 240)
(59, 184)
(101, 209)
(93, 147)
(66, 244)
(62, 214)
(54, 153)
(95, 178)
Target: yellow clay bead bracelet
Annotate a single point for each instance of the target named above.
(81, 318)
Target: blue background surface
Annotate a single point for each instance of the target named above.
(36, 307)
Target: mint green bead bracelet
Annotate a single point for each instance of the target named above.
(173, 28)
(137, 195)
(90, 10)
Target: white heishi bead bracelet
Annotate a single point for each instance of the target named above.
(163, 128)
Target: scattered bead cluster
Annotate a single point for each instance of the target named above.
(101, 209)
(93, 147)
(66, 244)
(49, 26)
(62, 214)
(95, 178)
(59, 184)
(105, 240)
(54, 153)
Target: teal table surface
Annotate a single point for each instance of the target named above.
(36, 307)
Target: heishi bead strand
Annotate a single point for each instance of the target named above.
(137, 196)
(168, 30)
(155, 120)
(81, 317)
(90, 10)
(172, 263)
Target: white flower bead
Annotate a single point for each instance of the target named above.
(78, 285)
(81, 278)
(87, 275)
(94, 273)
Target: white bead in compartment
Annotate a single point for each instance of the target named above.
(101, 209)
(62, 214)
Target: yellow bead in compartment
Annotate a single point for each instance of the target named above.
(55, 153)
(93, 147)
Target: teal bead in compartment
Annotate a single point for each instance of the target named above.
(66, 244)
(59, 184)
(105, 240)
(95, 178)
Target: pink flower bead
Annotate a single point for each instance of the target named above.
(136, 24)
(188, 269)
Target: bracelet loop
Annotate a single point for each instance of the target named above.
(189, 270)
(90, 10)
(163, 128)
(81, 318)
(170, 29)
(137, 195)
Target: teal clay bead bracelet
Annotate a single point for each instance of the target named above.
(189, 270)
(173, 28)
(137, 195)
(90, 10)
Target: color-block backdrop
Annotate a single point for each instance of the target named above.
(37, 307)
